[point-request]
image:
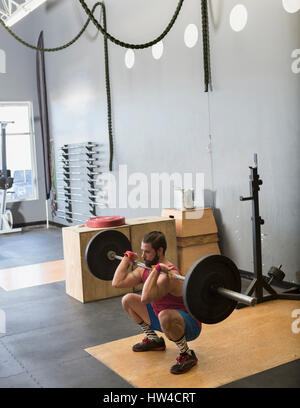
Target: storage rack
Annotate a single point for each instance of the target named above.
(78, 172)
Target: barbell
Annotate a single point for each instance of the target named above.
(211, 288)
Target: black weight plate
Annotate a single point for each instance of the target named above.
(97, 249)
(199, 298)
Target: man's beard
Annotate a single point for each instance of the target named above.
(153, 262)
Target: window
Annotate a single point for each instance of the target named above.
(2, 62)
(20, 149)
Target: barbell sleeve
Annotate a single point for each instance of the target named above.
(239, 297)
(229, 294)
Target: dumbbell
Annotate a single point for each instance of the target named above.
(275, 273)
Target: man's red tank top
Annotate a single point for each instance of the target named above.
(168, 301)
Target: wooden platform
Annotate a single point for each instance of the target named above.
(249, 341)
(32, 275)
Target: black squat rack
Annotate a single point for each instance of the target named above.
(259, 283)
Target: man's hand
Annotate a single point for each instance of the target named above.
(157, 284)
(122, 278)
(160, 267)
(132, 256)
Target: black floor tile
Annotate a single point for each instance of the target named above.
(58, 328)
(53, 307)
(41, 347)
(31, 246)
(35, 293)
(22, 380)
(85, 372)
(8, 365)
(284, 376)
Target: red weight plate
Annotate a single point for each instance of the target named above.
(105, 221)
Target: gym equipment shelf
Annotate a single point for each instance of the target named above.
(84, 155)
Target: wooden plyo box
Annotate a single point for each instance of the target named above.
(188, 255)
(199, 221)
(197, 235)
(80, 283)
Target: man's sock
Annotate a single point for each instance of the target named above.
(183, 346)
(149, 333)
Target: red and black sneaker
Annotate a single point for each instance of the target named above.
(150, 345)
(184, 363)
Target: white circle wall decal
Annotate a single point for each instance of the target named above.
(238, 17)
(129, 58)
(191, 35)
(157, 50)
(291, 6)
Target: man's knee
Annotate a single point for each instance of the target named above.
(129, 300)
(126, 300)
(170, 318)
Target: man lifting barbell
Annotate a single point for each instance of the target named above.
(160, 307)
(210, 292)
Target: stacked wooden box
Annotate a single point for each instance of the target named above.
(80, 283)
(197, 235)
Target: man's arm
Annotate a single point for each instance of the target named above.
(156, 286)
(124, 279)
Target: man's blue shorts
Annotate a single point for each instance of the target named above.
(192, 328)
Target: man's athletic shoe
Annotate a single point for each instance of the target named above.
(150, 345)
(184, 363)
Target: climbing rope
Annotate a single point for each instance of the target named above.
(206, 47)
(127, 45)
(108, 36)
(62, 47)
(108, 94)
(90, 13)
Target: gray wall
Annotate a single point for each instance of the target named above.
(161, 114)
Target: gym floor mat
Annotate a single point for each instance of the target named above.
(32, 275)
(249, 341)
